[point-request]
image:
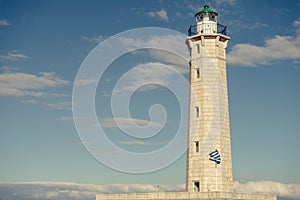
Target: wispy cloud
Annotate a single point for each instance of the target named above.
(126, 122)
(133, 143)
(84, 82)
(21, 84)
(176, 43)
(83, 142)
(172, 60)
(94, 40)
(238, 25)
(75, 191)
(144, 77)
(159, 14)
(14, 55)
(218, 6)
(65, 118)
(8, 69)
(275, 49)
(230, 2)
(140, 143)
(30, 101)
(297, 25)
(65, 105)
(4, 22)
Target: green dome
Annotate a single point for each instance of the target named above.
(206, 9)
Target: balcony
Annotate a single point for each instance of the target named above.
(221, 29)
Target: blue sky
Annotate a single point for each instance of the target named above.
(43, 43)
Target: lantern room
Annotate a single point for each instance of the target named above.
(206, 21)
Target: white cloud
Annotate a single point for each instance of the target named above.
(297, 25)
(14, 55)
(52, 190)
(4, 22)
(126, 122)
(68, 191)
(275, 49)
(269, 187)
(160, 15)
(75, 191)
(150, 14)
(21, 84)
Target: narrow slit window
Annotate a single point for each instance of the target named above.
(197, 112)
(196, 146)
(198, 48)
(197, 73)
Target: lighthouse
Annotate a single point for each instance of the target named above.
(209, 116)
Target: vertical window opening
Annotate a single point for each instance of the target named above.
(197, 112)
(198, 73)
(196, 186)
(196, 146)
(198, 48)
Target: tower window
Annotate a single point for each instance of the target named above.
(198, 48)
(197, 112)
(196, 146)
(196, 186)
(197, 73)
(213, 18)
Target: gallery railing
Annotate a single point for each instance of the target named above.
(221, 29)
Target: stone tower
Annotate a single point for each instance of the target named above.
(209, 117)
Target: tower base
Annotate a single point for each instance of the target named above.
(186, 196)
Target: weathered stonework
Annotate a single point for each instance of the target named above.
(208, 53)
(185, 196)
